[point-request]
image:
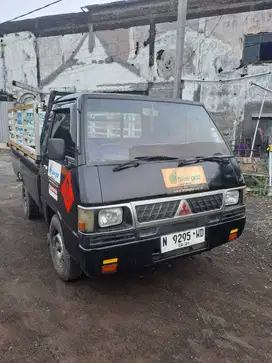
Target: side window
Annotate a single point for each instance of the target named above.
(62, 130)
(45, 131)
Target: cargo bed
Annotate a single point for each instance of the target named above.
(25, 125)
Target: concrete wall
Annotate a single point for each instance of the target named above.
(76, 62)
(20, 60)
(213, 51)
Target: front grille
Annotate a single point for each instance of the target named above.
(205, 204)
(156, 211)
(165, 210)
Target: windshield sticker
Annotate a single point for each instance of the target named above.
(54, 171)
(150, 112)
(188, 178)
(53, 191)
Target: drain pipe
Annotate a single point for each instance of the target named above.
(2, 67)
(233, 143)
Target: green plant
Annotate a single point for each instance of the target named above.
(259, 189)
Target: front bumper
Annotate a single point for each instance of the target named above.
(139, 248)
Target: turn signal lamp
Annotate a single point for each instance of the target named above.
(109, 266)
(85, 220)
(233, 234)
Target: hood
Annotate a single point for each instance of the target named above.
(99, 184)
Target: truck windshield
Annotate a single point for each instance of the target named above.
(126, 129)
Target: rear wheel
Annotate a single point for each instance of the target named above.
(65, 266)
(31, 209)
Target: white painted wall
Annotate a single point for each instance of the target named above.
(54, 51)
(20, 60)
(2, 74)
(65, 63)
(222, 49)
(207, 49)
(91, 71)
(205, 54)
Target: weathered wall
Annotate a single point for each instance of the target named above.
(213, 50)
(20, 60)
(76, 62)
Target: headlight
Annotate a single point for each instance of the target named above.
(110, 217)
(232, 197)
(85, 220)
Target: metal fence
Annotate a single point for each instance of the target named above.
(4, 124)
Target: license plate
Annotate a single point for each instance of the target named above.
(182, 239)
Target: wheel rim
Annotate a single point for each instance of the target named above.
(25, 201)
(58, 250)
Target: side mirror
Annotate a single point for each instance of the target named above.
(56, 149)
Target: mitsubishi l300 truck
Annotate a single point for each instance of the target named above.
(125, 181)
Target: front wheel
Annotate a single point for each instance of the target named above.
(65, 266)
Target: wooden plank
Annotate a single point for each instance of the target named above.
(20, 108)
(31, 154)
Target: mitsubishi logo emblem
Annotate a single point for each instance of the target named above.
(184, 209)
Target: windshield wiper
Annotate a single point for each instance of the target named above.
(217, 159)
(128, 164)
(134, 163)
(156, 158)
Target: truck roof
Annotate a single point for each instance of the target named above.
(117, 96)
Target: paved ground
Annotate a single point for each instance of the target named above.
(214, 308)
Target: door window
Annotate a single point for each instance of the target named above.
(62, 130)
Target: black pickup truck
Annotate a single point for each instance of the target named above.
(125, 181)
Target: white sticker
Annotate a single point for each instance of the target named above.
(54, 171)
(150, 112)
(53, 192)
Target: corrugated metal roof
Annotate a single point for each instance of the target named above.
(126, 14)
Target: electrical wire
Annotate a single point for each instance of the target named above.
(206, 37)
(89, 56)
(195, 81)
(75, 69)
(189, 23)
(96, 47)
(32, 11)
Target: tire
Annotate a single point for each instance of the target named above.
(64, 265)
(31, 209)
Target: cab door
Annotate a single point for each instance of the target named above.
(56, 175)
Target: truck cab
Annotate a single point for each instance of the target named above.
(127, 181)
